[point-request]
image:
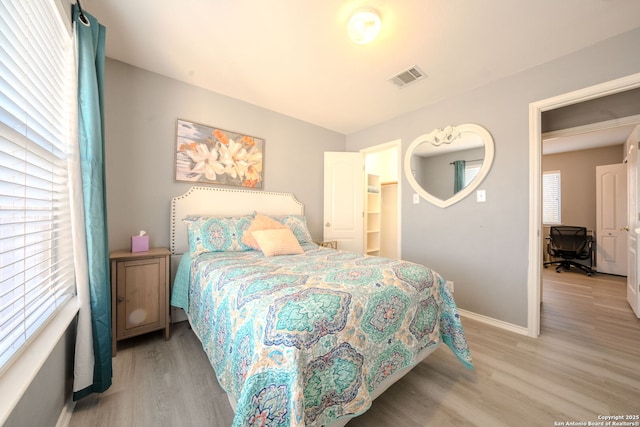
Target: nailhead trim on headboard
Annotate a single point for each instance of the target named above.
(235, 202)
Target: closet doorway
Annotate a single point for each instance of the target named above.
(382, 164)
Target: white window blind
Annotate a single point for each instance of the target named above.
(471, 169)
(551, 201)
(37, 97)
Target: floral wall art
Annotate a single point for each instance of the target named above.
(209, 155)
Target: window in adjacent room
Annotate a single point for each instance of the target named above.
(551, 201)
(37, 95)
(471, 169)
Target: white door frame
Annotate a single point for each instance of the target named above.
(535, 177)
(397, 145)
(631, 159)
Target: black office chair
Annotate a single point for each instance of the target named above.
(570, 244)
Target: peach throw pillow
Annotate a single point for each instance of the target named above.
(277, 242)
(260, 222)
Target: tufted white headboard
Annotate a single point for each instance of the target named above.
(215, 201)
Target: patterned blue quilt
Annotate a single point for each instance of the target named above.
(303, 340)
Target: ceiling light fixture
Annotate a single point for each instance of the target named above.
(364, 25)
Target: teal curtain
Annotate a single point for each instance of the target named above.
(90, 41)
(458, 177)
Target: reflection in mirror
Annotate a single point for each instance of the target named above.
(445, 170)
(447, 164)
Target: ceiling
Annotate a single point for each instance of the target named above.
(570, 141)
(294, 56)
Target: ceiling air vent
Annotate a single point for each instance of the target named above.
(409, 76)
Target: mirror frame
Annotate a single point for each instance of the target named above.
(489, 151)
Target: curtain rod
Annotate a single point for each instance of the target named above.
(472, 160)
(83, 18)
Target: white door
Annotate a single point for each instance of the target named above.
(633, 294)
(611, 219)
(344, 200)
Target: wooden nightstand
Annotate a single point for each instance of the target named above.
(139, 293)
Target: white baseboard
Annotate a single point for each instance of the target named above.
(65, 416)
(494, 322)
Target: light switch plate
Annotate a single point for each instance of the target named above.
(481, 196)
(416, 198)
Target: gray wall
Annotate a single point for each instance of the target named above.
(483, 247)
(47, 394)
(141, 109)
(614, 106)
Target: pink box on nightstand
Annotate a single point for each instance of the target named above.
(139, 243)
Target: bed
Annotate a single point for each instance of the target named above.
(302, 335)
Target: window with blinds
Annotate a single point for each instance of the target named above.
(551, 206)
(471, 169)
(36, 103)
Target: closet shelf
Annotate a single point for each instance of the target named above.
(373, 217)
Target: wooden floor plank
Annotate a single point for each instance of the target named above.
(585, 363)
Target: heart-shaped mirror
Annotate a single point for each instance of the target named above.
(446, 165)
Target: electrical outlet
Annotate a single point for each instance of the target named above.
(481, 196)
(416, 198)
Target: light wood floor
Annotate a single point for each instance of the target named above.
(585, 363)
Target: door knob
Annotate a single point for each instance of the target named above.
(624, 228)
(328, 224)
